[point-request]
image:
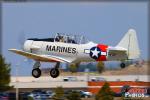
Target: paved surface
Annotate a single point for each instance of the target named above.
(74, 82)
(144, 78)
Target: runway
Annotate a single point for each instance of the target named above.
(72, 82)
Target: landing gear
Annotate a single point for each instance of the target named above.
(36, 72)
(122, 65)
(54, 72)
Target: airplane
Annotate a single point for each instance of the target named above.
(76, 49)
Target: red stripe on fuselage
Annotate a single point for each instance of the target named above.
(103, 48)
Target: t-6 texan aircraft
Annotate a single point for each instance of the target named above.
(73, 49)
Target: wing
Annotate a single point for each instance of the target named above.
(44, 58)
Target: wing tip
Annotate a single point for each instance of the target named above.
(13, 50)
(10, 49)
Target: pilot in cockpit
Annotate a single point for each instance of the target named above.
(70, 40)
(59, 38)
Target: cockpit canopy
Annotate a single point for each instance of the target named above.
(60, 37)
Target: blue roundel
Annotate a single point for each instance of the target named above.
(95, 52)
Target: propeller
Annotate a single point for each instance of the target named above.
(21, 39)
(29, 61)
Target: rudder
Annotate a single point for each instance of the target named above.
(130, 42)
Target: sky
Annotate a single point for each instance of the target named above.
(101, 22)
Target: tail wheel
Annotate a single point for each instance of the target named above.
(36, 72)
(122, 65)
(54, 72)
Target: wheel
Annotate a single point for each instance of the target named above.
(36, 72)
(54, 72)
(122, 65)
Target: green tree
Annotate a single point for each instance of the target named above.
(74, 95)
(105, 93)
(73, 68)
(4, 75)
(59, 93)
(100, 66)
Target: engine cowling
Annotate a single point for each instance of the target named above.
(27, 45)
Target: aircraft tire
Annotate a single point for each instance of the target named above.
(36, 72)
(54, 72)
(122, 65)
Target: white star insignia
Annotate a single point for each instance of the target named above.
(95, 52)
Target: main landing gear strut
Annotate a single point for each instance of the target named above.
(54, 72)
(36, 72)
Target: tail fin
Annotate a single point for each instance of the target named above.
(130, 42)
